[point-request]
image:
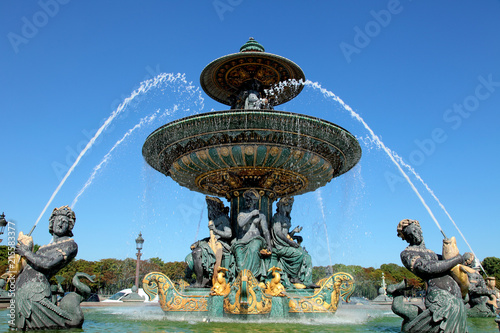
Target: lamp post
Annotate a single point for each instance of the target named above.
(3, 224)
(138, 243)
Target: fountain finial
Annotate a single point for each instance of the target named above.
(252, 46)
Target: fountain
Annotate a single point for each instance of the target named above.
(382, 297)
(251, 155)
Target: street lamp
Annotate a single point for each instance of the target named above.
(3, 224)
(138, 244)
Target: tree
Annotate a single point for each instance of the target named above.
(492, 267)
(71, 269)
(157, 261)
(4, 257)
(369, 280)
(175, 270)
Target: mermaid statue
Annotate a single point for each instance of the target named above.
(35, 308)
(444, 306)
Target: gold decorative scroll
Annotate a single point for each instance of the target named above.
(326, 298)
(170, 298)
(256, 301)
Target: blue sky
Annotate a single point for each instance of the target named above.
(424, 76)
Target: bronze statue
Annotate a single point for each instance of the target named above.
(34, 306)
(213, 252)
(491, 282)
(250, 245)
(479, 294)
(445, 310)
(293, 259)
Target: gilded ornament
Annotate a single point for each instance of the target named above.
(314, 160)
(249, 150)
(326, 298)
(247, 296)
(297, 154)
(171, 299)
(201, 155)
(221, 287)
(224, 151)
(274, 287)
(274, 151)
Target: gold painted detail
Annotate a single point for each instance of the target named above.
(274, 151)
(450, 250)
(247, 296)
(202, 155)
(232, 74)
(249, 150)
(171, 299)
(182, 284)
(297, 154)
(221, 287)
(223, 151)
(224, 169)
(327, 297)
(282, 182)
(274, 287)
(299, 286)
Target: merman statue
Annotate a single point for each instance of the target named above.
(34, 306)
(495, 295)
(479, 294)
(445, 310)
(213, 252)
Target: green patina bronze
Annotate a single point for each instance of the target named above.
(444, 310)
(35, 306)
(252, 45)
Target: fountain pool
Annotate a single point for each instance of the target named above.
(150, 318)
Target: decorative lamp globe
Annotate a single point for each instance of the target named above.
(139, 241)
(3, 223)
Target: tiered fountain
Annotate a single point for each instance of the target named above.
(251, 155)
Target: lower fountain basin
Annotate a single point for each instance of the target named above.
(225, 152)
